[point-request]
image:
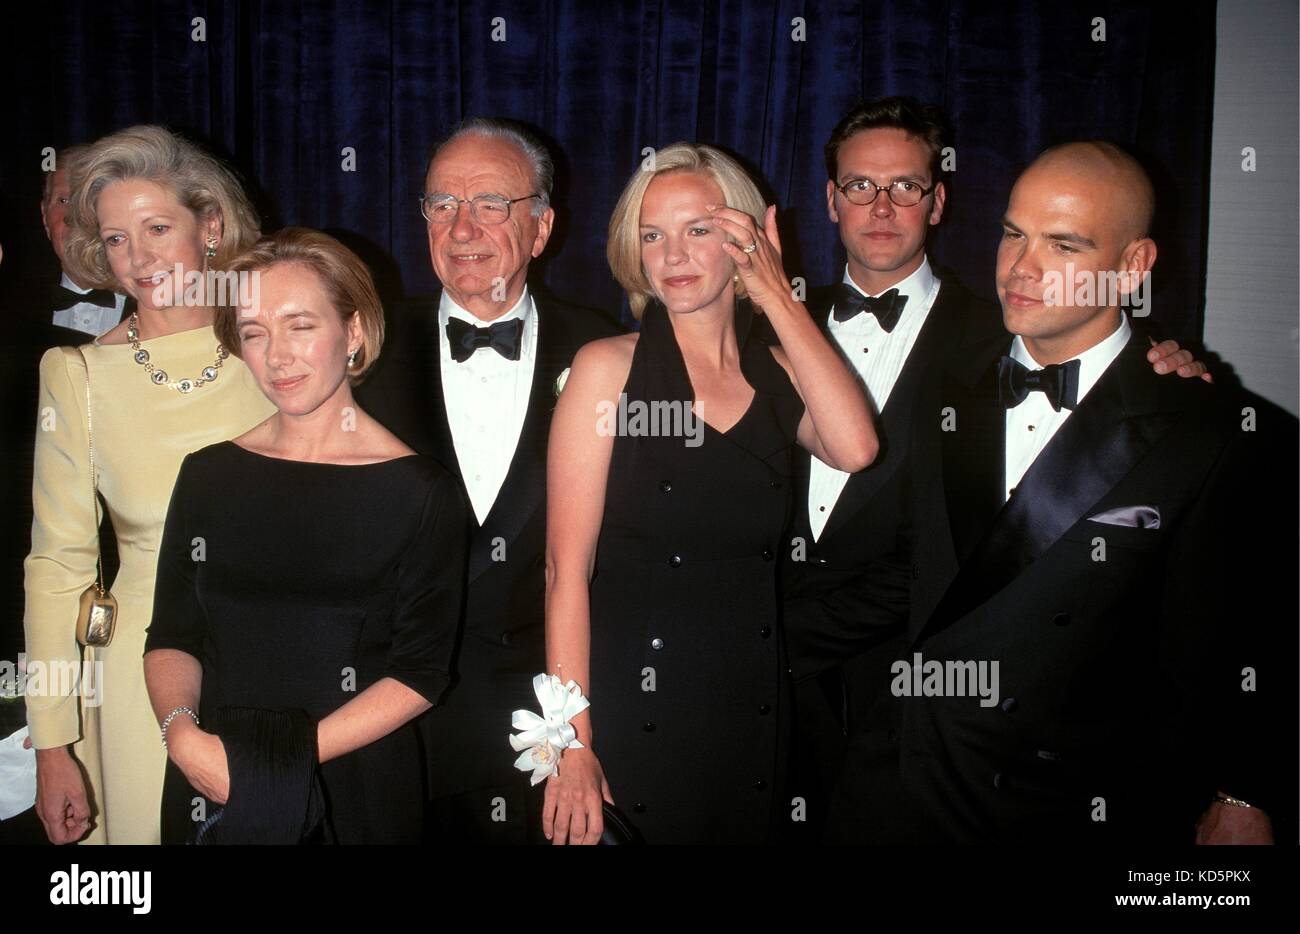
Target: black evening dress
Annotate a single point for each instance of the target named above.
(298, 585)
(687, 670)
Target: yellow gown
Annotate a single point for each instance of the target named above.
(141, 433)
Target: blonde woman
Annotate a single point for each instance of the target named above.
(148, 212)
(668, 479)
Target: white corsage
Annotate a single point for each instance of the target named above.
(560, 381)
(543, 738)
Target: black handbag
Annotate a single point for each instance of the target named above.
(619, 831)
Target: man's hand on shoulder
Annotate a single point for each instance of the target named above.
(1166, 357)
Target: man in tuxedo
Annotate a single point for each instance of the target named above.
(470, 378)
(1102, 635)
(892, 317)
(88, 311)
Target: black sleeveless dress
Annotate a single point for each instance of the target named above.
(687, 667)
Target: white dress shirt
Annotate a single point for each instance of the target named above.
(877, 356)
(487, 398)
(87, 316)
(1034, 422)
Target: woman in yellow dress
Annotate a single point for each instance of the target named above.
(149, 214)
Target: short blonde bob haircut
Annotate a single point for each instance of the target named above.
(345, 277)
(623, 248)
(198, 180)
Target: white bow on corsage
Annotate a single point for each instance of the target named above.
(543, 738)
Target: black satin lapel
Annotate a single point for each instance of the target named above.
(524, 488)
(1094, 450)
(444, 445)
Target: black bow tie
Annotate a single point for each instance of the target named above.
(887, 308)
(62, 298)
(1058, 381)
(464, 338)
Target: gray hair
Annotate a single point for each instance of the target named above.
(534, 150)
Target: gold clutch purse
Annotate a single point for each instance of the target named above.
(96, 616)
(97, 613)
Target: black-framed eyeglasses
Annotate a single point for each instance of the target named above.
(903, 192)
(440, 208)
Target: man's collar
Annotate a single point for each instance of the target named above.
(448, 308)
(914, 287)
(1092, 362)
(67, 283)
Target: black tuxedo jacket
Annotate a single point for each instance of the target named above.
(843, 590)
(846, 596)
(502, 642)
(1141, 573)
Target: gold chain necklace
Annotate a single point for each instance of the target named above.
(158, 376)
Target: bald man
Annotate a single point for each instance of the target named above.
(1102, 639)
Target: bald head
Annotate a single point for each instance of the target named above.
(1112, 173)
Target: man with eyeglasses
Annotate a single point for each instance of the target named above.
(471, 381)
(845, 581)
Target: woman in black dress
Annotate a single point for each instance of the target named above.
(311, 572)
(668, 477)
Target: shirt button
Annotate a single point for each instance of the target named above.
(767, 554)
(657, 644)
(998, 781)
(760, 785)
(777, 484)
(1061, 619)
(1008, 705)
(765, 632)
(1031, 427)
(482, 379)
(666, 486)
(865, 349)
(675, 561)
(821, 508)
(764, 710)
(639, 808)
(506, 638)
(648, 727)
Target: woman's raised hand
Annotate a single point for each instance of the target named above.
(758, 255)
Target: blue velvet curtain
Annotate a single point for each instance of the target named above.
(282, 88)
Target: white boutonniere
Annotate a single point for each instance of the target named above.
(560, 381)
(543, 738)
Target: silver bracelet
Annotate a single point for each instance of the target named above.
(189, 711)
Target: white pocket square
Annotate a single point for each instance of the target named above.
(1134, 517)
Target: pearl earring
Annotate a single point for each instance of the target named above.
(352, 357)
(212, 246)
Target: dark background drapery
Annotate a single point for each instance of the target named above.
(282, 88)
